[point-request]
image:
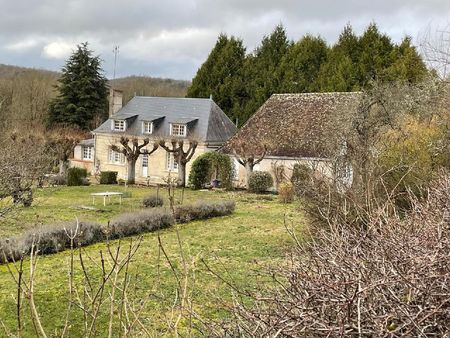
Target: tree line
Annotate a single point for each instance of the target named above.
(241, 82)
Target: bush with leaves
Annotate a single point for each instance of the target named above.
(75, 176)
(211, 165)
(260, 181)
(152, 201)
(108, 177)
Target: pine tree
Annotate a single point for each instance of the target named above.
(299, 69)
(221, 76)
(83, 93)
(261, 68)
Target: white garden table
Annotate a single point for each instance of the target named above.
(107, 194)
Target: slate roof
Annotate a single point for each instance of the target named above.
(297, 125)
(205, 120)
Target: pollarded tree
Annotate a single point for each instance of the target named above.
(131, 149)
(83, 92)
(248, 159)
(60, 142)
(181, 156)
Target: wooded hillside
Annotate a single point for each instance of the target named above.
(25, 93)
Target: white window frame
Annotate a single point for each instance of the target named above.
(176, 128)
(87, 152)
(146, 130)
(119, 125)
(115, 157)
(171, 165)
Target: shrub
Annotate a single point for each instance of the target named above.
(211, 164)
(203, 210)
(55, 237)
(152, 201)
(200, 172)
(301, 174)
(108, 177)
(75, 176)
(390, 279)
(134, 223)
(286, 192)
(260, 181)
(58, 180)
(10, 250)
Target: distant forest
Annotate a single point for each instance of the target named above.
(25, 93)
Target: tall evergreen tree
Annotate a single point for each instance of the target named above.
(406, 64)
(83, 94)
(339, 72)
(261, 68)
(375, 56)
(221, 76)
(299, 69)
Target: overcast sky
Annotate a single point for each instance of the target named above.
(171, 38)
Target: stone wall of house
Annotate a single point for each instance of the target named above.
(157, 162)
(283, 166)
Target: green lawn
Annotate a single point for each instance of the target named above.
(237, 247)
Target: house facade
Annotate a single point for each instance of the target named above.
(289, 129)
(156, 119)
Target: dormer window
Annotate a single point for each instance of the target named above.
(147, 127)
(119, 125)
(178, 129)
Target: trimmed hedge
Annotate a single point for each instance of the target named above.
(260, 181)
(54, 238)
(75, 176)
(203, 210)
(108, 177)
(152, 201)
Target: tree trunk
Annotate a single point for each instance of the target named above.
(248, 170)
(182, 175)
(63, 165)
(131, 171)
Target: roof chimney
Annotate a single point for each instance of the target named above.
(115, 101)
(210, 96)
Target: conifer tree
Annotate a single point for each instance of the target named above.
(299, 69)
(221, 76)
(83, 95)
(261, 70)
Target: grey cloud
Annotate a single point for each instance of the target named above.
(172, 37)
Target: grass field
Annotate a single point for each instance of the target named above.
(237, 247)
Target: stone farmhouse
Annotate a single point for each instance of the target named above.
(156, 118)
(295, 128)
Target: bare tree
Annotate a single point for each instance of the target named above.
(23, 164)
(249, 160)
(61, 141)
(181, 156)
(132, 150)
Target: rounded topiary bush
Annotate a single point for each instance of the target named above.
(152, 201)
(260, 181)
(75, 176)
(108, 177)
